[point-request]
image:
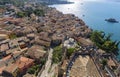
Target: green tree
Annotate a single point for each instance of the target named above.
(21, 14)
(57, 54)
(28, 11)
(42, 61)
(98, 37)
(70, 51)
(110, 46)
(33, 69)
(104, 63)
(104, 42)
(39, 12)
(12, 36)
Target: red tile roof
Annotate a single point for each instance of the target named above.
(24, 63)
(1, 69)
(7, 57)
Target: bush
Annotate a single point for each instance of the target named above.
(104, 42)
(21, 14)
(39, 12)
(70, 51)
(57, 54)
(12, 36)
(43, 61)
(104, 63)
(33, 69)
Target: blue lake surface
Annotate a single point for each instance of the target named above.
(95, 12)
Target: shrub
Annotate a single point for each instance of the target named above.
(12, 36)
(70, 51)
(33, 69)
(21, 14)
(39, 12)
(104, 42)
(57, 54)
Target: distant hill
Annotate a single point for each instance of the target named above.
(54, 1)
(15, 2)
(21, 2)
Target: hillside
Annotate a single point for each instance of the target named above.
(15, 2)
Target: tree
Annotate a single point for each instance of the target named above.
(33, 69)
(104, 63)
(28, 11)
(57, 54)
(42, 61)
(12, 36)
(21, 14)
(104, 42)
(70, 51)
(98, 37)
(110, 46)
(39, 12)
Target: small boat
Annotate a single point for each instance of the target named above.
(112, 20)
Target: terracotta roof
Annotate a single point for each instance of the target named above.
(5, 19)
(12, 50)
(29, 75)
(13, 43)
(7, 57)
(11, 68)
(42, 42)
(111, 62)
(24, 62)
(31, 35)
(84, 41)
(4, 47)
(11, 19)
(2, 31)
(3, 36)
(36, 52)
(1, 69)
(57, 37)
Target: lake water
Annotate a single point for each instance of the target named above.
(95, 12)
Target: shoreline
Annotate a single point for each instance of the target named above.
(113, 38)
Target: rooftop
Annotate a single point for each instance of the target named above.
(23, 62)
(1, 69)
(84, 41)
(11, 68)
(84, 66)
(36, 52)
(4, 47)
